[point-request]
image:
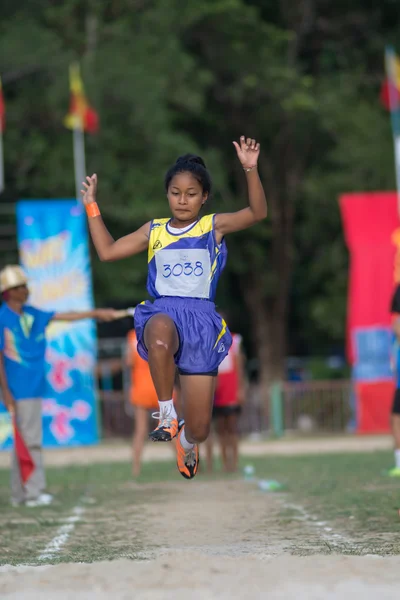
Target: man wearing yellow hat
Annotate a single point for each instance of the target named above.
(22, 373)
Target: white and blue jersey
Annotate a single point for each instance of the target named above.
(186, 264)
(184, 267)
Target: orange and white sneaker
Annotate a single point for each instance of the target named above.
(167, 427)
(187, 460)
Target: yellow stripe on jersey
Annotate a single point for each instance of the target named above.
(215, 263)
(221, 334)
(160, 238)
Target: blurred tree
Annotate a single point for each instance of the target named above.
(169, 77)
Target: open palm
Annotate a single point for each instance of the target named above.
(90, 189)
(248, 152)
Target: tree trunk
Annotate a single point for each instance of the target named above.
(268, 314)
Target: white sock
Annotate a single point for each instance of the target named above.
(397, 458)
(167, 408)
(185, 444)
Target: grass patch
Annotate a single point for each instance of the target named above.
(349, 491)
(340, 487)
(111, 524)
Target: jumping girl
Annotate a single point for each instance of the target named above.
(186, 255)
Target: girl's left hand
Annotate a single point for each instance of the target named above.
(247, 152)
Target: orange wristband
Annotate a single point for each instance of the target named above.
(92, 210)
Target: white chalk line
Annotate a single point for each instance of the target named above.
(327, 533)
(62, 535)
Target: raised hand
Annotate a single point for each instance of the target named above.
(90, 189)
(247, 152)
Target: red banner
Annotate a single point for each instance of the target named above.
(372, 233)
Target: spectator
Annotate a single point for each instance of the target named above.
(228, 400)
(395, 419)
(22, 374)
(143, 397)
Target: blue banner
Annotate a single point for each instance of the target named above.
(54, 252)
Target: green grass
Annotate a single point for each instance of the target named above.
(110, 498)
(349, 491)
(340, 486)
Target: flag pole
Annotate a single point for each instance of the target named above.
(390, 64)
(79, 159)
(1, 161)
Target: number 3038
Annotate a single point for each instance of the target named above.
(187, 269)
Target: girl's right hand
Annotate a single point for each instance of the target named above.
(90, 190)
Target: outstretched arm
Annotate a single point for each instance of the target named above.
(101, 314)
(107, 248)
(248, 152)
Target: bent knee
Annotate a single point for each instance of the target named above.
(200, 432)
(160, 333)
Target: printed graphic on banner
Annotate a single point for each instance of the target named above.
(54, 252)
(372, 233)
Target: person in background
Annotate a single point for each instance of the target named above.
(143, 397)
(229, 396)
(395, 417)
(22, 374)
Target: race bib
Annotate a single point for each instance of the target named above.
(183, 272)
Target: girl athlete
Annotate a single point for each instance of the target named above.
(186, 255)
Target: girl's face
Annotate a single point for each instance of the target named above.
(186, 197)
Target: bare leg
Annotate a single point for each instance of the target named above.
(178, 397)
(396, 430)
(395, 420)
(162, 342)
(139, 436)
(223, 440)
(198, 396)
(233, 441)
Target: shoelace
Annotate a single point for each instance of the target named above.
(165, 417)
(190, 458)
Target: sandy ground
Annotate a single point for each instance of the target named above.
(214, 540)
(120, 450)
(192, 576)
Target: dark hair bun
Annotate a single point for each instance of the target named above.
(190, 158)
(192, 164)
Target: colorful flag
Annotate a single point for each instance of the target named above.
(25, 461)
(2, 110)
(390, 91)
(80, 115)
(392, 64)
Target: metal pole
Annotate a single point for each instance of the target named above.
(276, 410)
(79, 160)
(1, 162)
(392, 76)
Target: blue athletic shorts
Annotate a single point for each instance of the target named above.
(204, 338)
